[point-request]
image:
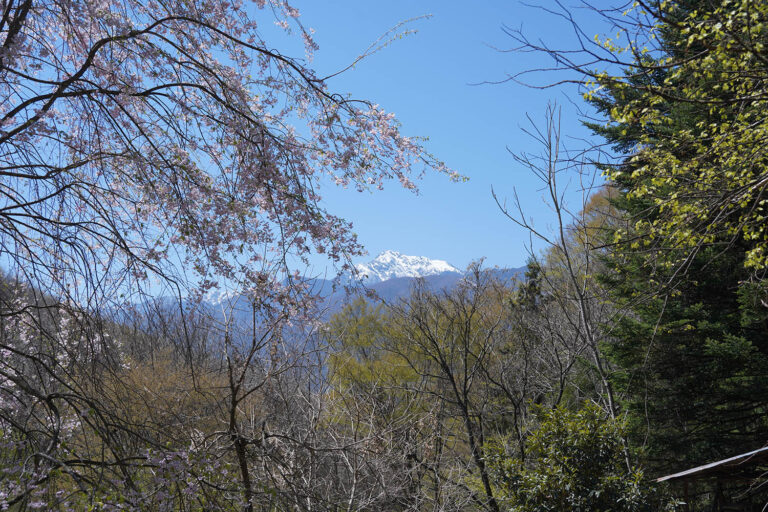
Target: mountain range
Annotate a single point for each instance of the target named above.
(390, 275)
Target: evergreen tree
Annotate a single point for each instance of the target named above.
(693, 351)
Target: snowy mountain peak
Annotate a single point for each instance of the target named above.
(217, 297)
(391, 264)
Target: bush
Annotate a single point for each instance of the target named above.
(575, 462)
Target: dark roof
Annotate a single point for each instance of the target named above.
(723, 467)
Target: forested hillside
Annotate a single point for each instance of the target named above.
(154, 153)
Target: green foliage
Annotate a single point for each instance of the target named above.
(688, 266)
(575, 462)
(693, 363)
(693, 119)
(361, 356)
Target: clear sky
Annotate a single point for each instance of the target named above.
(426, 80)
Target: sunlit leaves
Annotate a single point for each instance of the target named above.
(707, 180)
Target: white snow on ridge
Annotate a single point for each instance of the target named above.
(216, 297)
(391, 264)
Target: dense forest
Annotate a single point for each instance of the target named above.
(152, 150)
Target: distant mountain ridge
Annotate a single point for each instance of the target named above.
(390, 276)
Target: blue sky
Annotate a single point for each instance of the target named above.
(426, 80)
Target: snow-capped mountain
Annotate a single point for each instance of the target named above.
(390, 276)
(392, 264)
